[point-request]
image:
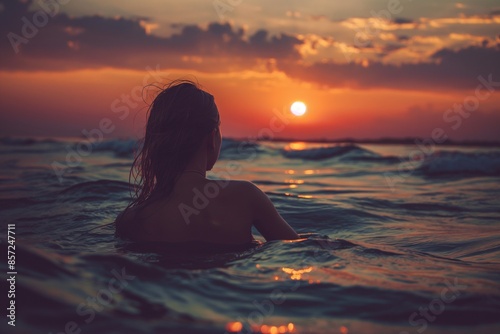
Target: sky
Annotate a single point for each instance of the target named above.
(364, 68)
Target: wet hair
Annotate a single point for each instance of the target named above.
(179, 118)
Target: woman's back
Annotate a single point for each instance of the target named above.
(197, 210)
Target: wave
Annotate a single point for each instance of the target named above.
(230, 148)
(437, 164)
(18, 141)
(239, 149)
(120, 147)
(58, 289)
(321, 153)
(461, 163)
(99, 187)
(123, 147)
(128, 147)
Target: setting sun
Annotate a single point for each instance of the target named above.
(298, 108)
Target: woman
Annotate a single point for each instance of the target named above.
(174, 201)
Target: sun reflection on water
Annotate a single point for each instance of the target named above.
(297, 146)
(237, 327)
(296, 274)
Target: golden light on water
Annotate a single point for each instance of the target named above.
(237, 327)
(296, 274)
(296, 146)
(294, 181)
(305, 196)
(234, 327)
(265, 329)
(298, 108)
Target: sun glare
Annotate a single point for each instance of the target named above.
(298, 108)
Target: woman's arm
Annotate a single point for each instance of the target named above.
(267, 220)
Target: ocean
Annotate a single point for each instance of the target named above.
(395, 239)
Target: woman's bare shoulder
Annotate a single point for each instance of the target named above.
(238, 187)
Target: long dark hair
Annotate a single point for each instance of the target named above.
(179, 118)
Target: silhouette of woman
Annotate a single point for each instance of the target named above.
(174, 201)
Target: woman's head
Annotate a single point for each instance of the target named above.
(181, 119)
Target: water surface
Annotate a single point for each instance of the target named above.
(389, 245)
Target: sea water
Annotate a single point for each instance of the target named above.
(396, 239)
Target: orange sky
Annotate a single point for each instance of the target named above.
(405, 89)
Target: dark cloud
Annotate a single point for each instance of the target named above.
(96, 41)
(389, 48)
(451, 70)
(400, 20)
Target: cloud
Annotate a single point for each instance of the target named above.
(450, 70)
(392, 61)
(94, 41)
(492, 18)
(374, 24)
(370, 24)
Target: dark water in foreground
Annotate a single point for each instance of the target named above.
(388, 247)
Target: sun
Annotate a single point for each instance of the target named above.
(298, 108)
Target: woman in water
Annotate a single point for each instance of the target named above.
(174, 201)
